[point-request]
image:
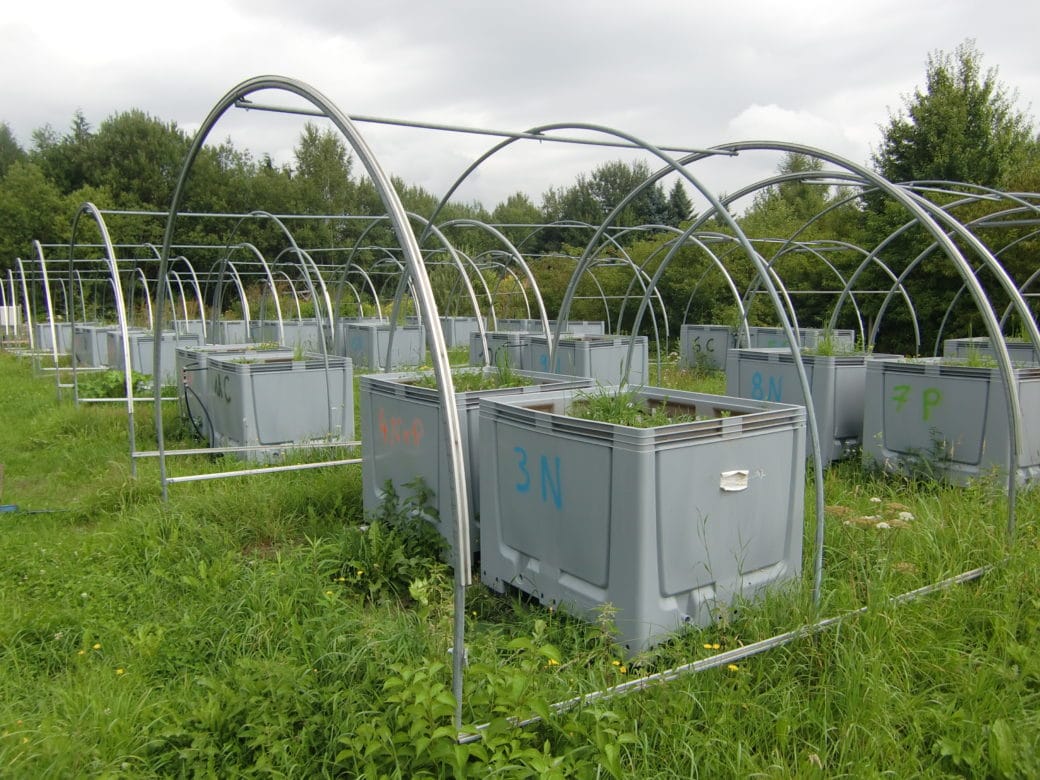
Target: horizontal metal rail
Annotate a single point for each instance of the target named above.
(250, 106)
(728, 657)
(316, 445)
(264, 470)
(136, 400)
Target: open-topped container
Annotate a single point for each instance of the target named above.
(668, 524)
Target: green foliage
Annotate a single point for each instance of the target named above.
(30, 206)
(625, 407)
(468, 380)
(10, 151)
(228, 633)
(110, 384)
(963, 126)
(680, 207)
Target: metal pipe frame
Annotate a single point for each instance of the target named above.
(413, 255)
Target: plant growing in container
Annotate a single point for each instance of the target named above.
(667, 523)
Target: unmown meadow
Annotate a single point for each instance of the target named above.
(263, 626)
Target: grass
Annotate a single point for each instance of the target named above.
(263, 626)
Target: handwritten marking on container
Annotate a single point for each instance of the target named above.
(930, 398)
(394, 431)
(709, 344)
(549, 477)
(775, 390)
(220, 387)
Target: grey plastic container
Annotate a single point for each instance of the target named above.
(584, 327)
(769, 337)
(456, 330)
(43, 339)
(841, 340)
(272, 401)
(196, 327)
(10, 318)
(402, 437)
(523, 325)
(90, 343)
(669, 524)
(142, 355)
(365, 342)
(507, 348)
(601, 358)
(948, 420)
(836, 384)
(705, 346)
(229, 332)
(1021, 352)
(304, 334)
(192, 385)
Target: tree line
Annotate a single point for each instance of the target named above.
(963, 125)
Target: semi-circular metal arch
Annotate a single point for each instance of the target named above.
(413, 256)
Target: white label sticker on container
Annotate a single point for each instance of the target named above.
(734, 481)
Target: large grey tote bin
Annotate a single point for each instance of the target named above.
(366, 341)
(229, 332)
(271, 401)
(402, 437)
(11, 318)
(142, 355)
(601, 358)
(705, 346)
(576, 327)
(1020, 352)
(523, 325)
(669, 525)
(764, 337)
(43, 339)
(949, 419)
(836, 383)
(456, 330)
(192, 381)
(506, 349)
(303, 334)
(90, 344)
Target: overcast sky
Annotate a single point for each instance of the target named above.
(826, 73)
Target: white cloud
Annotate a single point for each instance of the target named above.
(818, 72)
(774, 123)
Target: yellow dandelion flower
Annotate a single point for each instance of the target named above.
(712, 646)
(97, 645)
(623, 669)
(361, 572)
(553, 662)
(329, 593)
(616, 662)
(341, 579)
(733, 667)
(120, 671)
(82, 652)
